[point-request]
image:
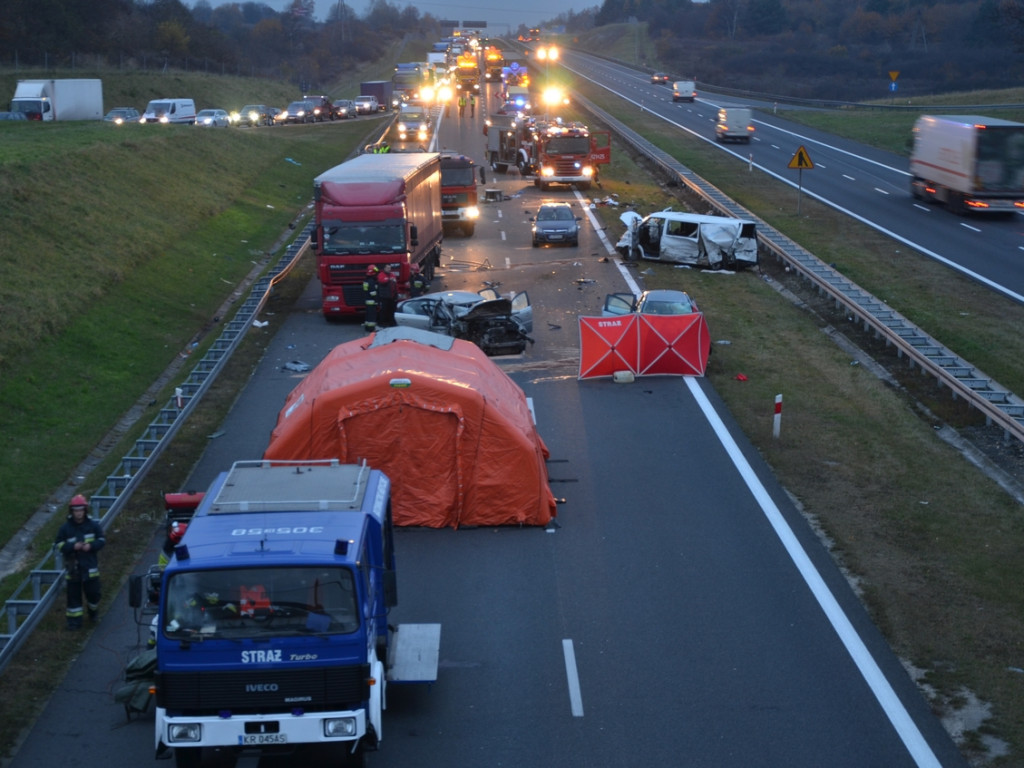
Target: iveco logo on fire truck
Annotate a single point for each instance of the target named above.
(258, 657)
(260, 687)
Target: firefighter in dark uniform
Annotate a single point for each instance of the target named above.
(370, 296)
(387, 294)
(79, 539)
(417, 283)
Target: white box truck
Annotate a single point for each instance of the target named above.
(734, 124)
(46, 100)
(972, 164)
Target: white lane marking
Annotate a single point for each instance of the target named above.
(575, 697)
(905, 726)
(968, 226)
(595, 223)
(879, 189)
(849, 177)
(508, 263)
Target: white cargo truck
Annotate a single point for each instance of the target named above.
(972, 164)
(47, 100)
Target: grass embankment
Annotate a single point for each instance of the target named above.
(114, 265)
(933, 544)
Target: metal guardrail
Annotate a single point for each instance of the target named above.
(37, 593)
(999, 405)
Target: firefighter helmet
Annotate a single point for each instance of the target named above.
(177, 531)
(371, 270)
(78, 500)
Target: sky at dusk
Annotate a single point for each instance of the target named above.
(502, 16)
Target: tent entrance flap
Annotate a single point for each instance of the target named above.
(418, 449)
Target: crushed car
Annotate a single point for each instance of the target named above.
(498, 325)
(713, 242)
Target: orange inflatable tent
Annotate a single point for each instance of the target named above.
(453, 432)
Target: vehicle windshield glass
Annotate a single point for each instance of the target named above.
(457, 177)
(554, 214)
(256, 602)
(569, 145)
(158, 107)
(341, 237)
(680, 307)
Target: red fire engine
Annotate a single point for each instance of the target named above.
(565, 153)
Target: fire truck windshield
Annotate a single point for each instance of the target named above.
(568, 145)
(342, 238)
(457, 177)
(252, 602)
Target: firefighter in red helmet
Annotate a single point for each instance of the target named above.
(79, 539)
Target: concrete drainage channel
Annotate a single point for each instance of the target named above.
(34, 596)
(999, 405)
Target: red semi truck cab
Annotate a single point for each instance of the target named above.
(459, 199)
(375, 209)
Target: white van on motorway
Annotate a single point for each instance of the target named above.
(734, 124)
(170, 111)
(684, 90)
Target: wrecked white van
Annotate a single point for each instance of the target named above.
(715, 242)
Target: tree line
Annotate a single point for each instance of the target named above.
(814, 48)
(843, 49)
(248, 38)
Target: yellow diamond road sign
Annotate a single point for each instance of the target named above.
(801, 160)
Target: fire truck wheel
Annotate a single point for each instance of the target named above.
(468, 230)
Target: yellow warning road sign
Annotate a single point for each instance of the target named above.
(801, 160)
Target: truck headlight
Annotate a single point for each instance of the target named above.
(547, 171)
(472, 212)
(340, 726)
(588, 171)
(183, 733)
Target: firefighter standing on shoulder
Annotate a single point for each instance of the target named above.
(79, 539)
(370, 296)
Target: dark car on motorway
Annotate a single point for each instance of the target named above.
(659, 78)
(323, 108)
(253, 115)
(297, 112)
(555, 224)
(656, 302)
(122, 115)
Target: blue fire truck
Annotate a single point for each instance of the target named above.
(272, 629)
